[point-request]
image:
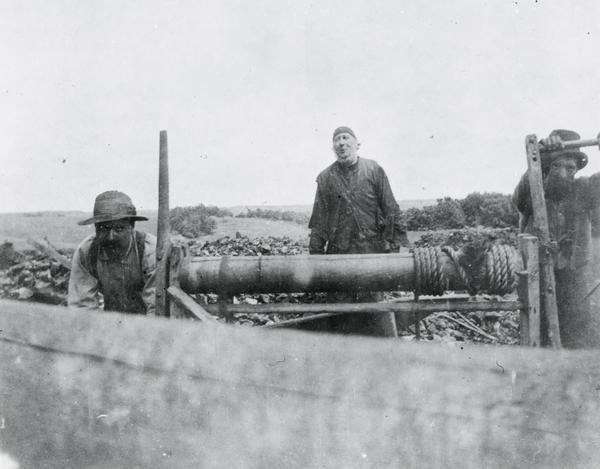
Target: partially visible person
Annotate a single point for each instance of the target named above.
(117, 261)
(573, 208)
(355, 212)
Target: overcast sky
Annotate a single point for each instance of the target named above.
(440, 93)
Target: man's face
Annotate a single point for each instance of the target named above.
(345, 147)
(114, 234)
(560, 176)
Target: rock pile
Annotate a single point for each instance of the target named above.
(458, 238)
(32, 276)
(244, 246)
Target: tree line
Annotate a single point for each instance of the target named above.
(489, 209)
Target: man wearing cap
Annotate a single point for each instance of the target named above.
(573, 207)
(355, 212)
(117, 261)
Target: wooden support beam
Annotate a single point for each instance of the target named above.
(49, 250)
(163, 242)
(182, 300)
(540, 228)
(529, 291)
(408, 308)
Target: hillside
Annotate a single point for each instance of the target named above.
(404, 205)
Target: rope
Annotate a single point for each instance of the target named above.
(429, 274)
(499, 270)
(496, 277)
(463, 274)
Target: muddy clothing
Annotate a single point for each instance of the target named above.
(572, 221)
(127, 284)
(355, 211)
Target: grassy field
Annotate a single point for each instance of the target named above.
(62, 230)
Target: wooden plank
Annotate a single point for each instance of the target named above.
(298, 322)
(51, 252)
(163, 239)
(183, 301)
(88, 389)
(530, 291)
(330, 323)
(404, 307)
(540, 228)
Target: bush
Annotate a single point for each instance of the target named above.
(288, 215)
(490, 209)
(497, 211)
(192, 222)
(448, 214)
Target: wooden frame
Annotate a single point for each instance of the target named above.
(172, 301)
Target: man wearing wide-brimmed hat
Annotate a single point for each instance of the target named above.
(573, 206)
(117, 261)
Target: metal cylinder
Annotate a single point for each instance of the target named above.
(306, 273)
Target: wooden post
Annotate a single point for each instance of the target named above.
(163, 230)
(540, 228)
(529, 291)
(176, 256)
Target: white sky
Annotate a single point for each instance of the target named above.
(440, 93)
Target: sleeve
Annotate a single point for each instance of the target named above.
(83, 286)
(521, 198)
(318, 223)
(149, 271)
(594, 194)
(394, 231)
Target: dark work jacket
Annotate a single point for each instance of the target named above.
(127, 284)
(572, 220)
(355, 211)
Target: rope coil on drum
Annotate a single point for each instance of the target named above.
(469, 282)
(494, 274)
(500, 270)
(430, 278)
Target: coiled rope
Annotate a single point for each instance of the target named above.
(500, 270)
(430, 277)
(467, 279)
(495, 275)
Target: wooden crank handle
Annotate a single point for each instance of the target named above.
(590, 142)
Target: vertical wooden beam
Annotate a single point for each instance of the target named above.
(540, 228)
(163, 230)
(176, 255)
(529, 291)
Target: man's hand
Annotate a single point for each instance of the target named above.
(549, 144)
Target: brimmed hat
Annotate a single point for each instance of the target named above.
(565, 135)
(112, 206)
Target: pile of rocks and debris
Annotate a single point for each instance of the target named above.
(42, 275)
(243, 246)
(476, 236)
(34, 275)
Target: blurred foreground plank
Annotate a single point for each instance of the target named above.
(94, 389)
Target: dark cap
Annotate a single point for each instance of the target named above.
(341, 130)
(112, 206)
(565, 136)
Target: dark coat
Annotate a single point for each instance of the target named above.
(355, 211)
